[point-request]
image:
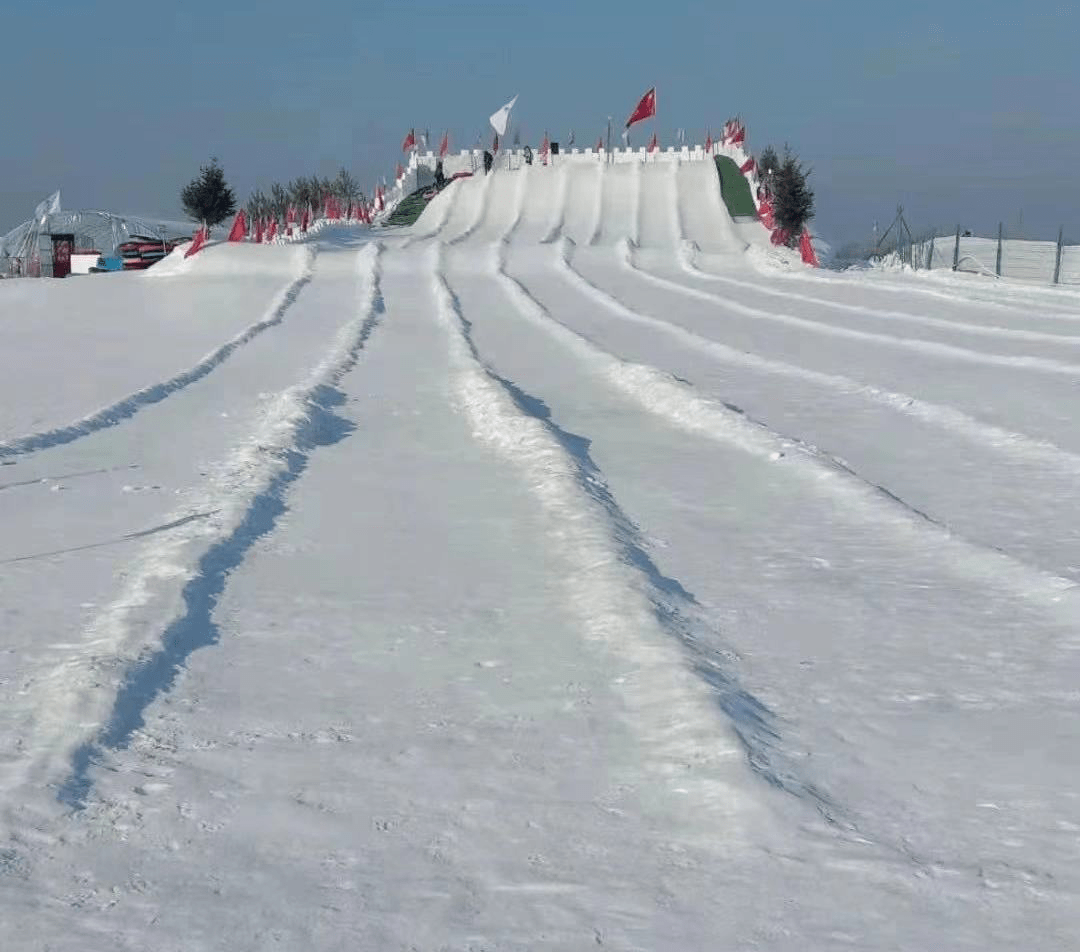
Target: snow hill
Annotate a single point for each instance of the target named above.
(564, 572)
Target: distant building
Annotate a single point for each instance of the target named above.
(56, 243)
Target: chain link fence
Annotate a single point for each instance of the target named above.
(1017, 259)
(1031, 260)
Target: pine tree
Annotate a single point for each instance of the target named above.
(279, 201)
(208, 199)
(793, 200)
(768, 162)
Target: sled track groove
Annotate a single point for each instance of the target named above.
(933, 349)
(124, 409)
(664, 396)
(977, 432)
(952, 326)
(627, 606)
(249, 497)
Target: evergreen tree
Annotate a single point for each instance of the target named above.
(258, 205)
(208, 199)
(793, 200)
(279, 201)
(768, 162)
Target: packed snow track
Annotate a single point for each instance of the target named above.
(565, 571)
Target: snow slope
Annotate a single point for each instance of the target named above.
(550, 575)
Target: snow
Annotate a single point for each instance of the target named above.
(562, 572)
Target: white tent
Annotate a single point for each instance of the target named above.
(28, 247)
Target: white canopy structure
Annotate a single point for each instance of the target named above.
(27, 249)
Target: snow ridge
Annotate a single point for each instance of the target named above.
(444, 203)
(483, 187)
(130, 405)
(965, 293)
(687, 262)
(627, 606)
(678, 402)
(974, 430)
(559, 217)
(934, 348)
(247, 492)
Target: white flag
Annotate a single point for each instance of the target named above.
(50, 206)
(502, 117)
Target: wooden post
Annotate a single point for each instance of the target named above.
(956, 250)
(1000, 230)
(1057, 259)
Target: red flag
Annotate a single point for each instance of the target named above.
(807, 250)
(747, 166)
(410, 141)
(765, 213)
(645, 109)
(239, 227)
(600, 144)
(444, 146)
(653, 144)
(197, 242)
(708, 144)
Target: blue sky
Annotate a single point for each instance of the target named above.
(964, 112)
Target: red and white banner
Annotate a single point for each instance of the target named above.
(239, 227)
(734, 132)
(410, 141)
(645, 109)
(747, 166)
(766, 215)
(197, 243)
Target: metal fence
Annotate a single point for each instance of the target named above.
(1017, 259)
(25, 267)
(1050, 261)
